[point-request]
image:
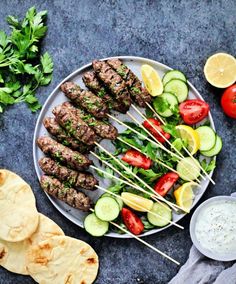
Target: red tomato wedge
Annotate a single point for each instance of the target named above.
(228, 101)
(156, 131)
(137, 159)
(193, 111)
(165, 183)
(132, 221)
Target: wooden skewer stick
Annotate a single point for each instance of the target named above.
(156, 160)
(142, 241)
(124, 181)
(139, 206)
(164, 148)
(172, 205)
(186, 150)
(129, 180)
(207, 175)
(145, 243)
(157, 115)
(143, 136)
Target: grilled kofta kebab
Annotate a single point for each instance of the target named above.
(75, 179)
(103, 129)
(74, 125)
(93, 84)
(63, 154)
(139, 94)
(69, 195)
(85, 99)
(113, 81)
(63, 137)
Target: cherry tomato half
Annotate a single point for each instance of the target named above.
(133, 223)
(165, 183)
(228, 101)
(154, 126)
(193, 111)
(137, 159)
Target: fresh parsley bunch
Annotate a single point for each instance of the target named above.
(22, 69)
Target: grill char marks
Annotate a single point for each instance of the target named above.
(85, 99)
(139, 94)
(74, 125)
(63, 137)
(73, 178)
(63, 154)
(69, 195)
(102, 129)
(92, 82)
(113, 81)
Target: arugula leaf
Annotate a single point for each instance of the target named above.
(208, 167)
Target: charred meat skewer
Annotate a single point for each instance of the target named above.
(139, 94)
(113, 82)
(92, 83)
(63, 154)
(85, 99)
(73, 178)
(54, 128)
(101, 128)
(69, 195)
(74, 125)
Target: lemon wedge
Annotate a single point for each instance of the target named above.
(152, 80)
(190, 135)
(136, 202)
(184, 196)
(220, 70)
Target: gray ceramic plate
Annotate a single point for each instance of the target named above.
(206, 252)
(57, 97)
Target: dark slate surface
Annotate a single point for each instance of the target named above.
(181, 34)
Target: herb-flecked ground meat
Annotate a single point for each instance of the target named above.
(85, 99)
(139, 94)
(114, 82)
(63, 154)
(69, 195)
(71, 177)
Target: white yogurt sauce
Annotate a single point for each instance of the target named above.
(215, 227)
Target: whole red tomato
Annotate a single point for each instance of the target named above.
(228, 101)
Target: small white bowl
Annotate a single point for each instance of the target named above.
(204, 251)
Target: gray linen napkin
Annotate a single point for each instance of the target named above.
(199, 269)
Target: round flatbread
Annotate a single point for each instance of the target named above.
(13, 255)
(18, 213)
(62, 260)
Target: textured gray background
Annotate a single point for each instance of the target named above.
(181, 34)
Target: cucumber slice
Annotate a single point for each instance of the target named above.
(170, 99)
(107, 208)
(95, 226)
(188, 169)
(173, 74)
(118, 199)
(177, 87)
(164, 211)
(216, 148)
(207, 137)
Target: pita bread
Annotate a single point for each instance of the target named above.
(62, 260)
(13, 255)
(18, 213)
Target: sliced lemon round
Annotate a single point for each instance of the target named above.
(220, 70)
(184, 196)
(137, 202)
(152, 80)
(190, 135)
